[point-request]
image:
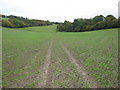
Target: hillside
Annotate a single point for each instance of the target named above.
(50, 28)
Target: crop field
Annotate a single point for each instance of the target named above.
(40, 57)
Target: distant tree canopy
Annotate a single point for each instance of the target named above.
(96, 23)
(17, 22)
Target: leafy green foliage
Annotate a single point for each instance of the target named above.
(67, 26)
(18, 22)
(96, 23)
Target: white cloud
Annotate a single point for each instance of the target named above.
(59, 10)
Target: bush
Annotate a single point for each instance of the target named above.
(7, 23)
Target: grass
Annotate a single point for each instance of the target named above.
(5, 18)
(63, 74)
(19, 51)
(97, 51)
(25, 49)
(46, 29)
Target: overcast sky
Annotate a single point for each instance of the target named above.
(59, 10)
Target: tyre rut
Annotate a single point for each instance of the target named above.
(46, 67)
(88, 79)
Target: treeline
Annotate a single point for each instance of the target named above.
(12, 21)
(96, 23)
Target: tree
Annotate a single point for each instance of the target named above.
(16, 22)
(3, 16)
(109, 18)
(98, 18)
(7, 23)
(96, 23)
(68, 26)
(60, 27)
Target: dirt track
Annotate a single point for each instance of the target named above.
(46, 67)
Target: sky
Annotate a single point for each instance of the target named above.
(59, 10)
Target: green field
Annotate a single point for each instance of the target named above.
(50, 28)
(37, 57)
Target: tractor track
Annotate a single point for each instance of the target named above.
(46, 67)
(88, 79)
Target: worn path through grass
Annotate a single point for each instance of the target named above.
(46, 66)
(85, 76)
(51, 78)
